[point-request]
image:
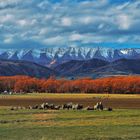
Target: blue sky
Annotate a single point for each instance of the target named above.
(63, 23)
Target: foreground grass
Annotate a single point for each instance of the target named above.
(69, 125)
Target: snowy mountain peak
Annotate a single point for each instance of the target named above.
(59, 55)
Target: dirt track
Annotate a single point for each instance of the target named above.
(108, 102)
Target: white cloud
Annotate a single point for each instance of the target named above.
(54, 40)
(96, 3)
(75, 37)
(4, 3)
(7, 18)
(43, 31)
(66, 21)
(44, 4)
(87, 20)
(69, 22)
(124, 21)
(8, 40)
(120, 7)
(22, 22)
(47, 17)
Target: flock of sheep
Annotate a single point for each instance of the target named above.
(67, 106)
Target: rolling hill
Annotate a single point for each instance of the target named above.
(119, 67)
(99, 68)
(76, 67)
(14, 67)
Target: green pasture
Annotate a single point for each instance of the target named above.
(69, 125)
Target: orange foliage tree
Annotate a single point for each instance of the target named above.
(25, 84)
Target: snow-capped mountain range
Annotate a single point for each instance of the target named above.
(54, 56)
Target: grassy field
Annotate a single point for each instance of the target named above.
(62, 95)
(120, 124)
(69, 125)
(119, 101)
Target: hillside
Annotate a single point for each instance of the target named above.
(119, 67)
(99, 68)
(14, 67)
(76, 67)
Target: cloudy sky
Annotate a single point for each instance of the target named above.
(39, 23)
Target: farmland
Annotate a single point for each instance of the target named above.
(118, 101)
(123, 123)
(69, 125)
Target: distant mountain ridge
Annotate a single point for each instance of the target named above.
(94, 68)
(70, 62)
(119, 67)
(76, 67)
(99, 68)
(51, 57)
(16, 67)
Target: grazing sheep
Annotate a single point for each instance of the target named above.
(46, 105)
(101, 107)
(14, 108)
(42, 106)
(96, 107)
(67, 106)
(19, 107)
(89, 108)
(110, 109)
(64, 106)
(30, 107)
(51, 106)
(23, 108)
(57, 107)
(35, 107)
(77, 107)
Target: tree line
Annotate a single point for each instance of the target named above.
(25, 84)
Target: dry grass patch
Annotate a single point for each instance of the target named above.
(45, 116)
(69, 95)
